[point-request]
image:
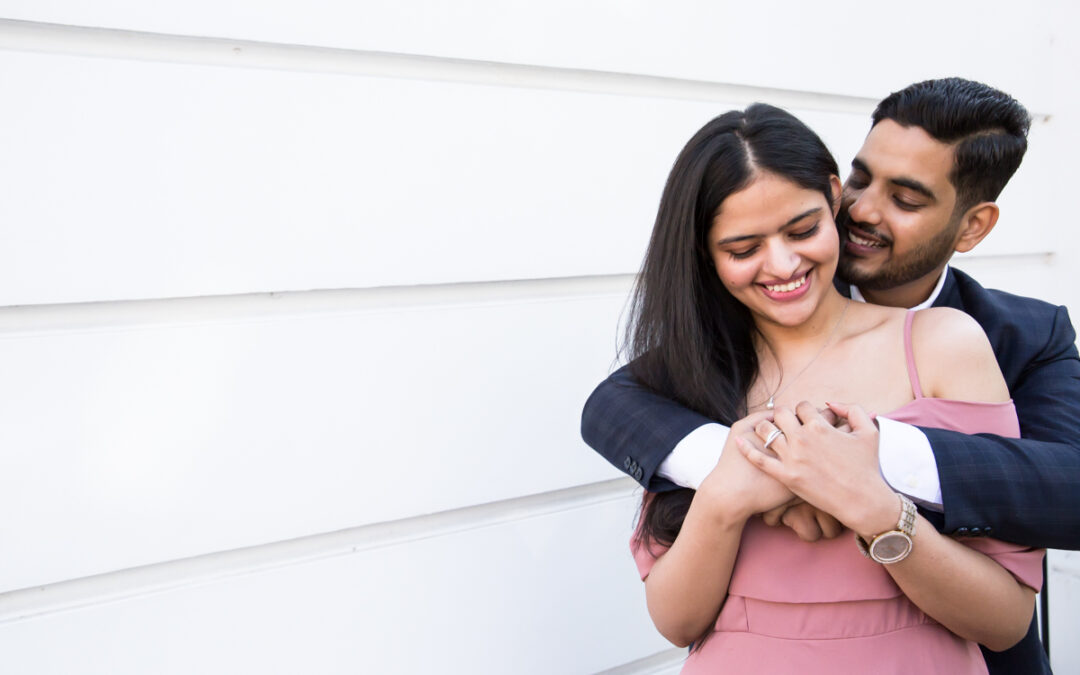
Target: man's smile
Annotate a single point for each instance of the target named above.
(860, 241)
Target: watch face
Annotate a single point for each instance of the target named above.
(890, 547)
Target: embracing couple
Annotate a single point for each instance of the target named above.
(806, 365)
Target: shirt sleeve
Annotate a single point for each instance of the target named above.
(694, 456)
(908, 464)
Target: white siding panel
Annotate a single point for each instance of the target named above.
(134, 179)
(776, 43)
(1064, 613)
(1030, 275)
(131, 445)
(1029, 210)
(551, 594)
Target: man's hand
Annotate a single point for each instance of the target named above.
(805, 520)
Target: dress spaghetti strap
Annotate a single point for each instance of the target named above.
(913, 374)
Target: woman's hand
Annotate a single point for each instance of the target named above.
(735, 487)
(834, 470)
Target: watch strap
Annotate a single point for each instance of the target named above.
(905, 526)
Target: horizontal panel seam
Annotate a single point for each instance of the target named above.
(40, 37)
(666, 661)
(24, 321)
(113, 316)
(24, 604)
(33, 36)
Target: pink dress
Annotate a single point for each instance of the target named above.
(822, 607)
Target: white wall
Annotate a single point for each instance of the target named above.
(299, 303)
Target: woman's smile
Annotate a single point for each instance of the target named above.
(786, 291)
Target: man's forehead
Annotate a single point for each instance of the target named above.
(893, 151)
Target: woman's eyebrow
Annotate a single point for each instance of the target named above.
(742, 237)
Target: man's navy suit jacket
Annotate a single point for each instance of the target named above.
(1026, 491)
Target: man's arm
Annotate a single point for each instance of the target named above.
(636, 430)
(663, 445)
(1023, 490)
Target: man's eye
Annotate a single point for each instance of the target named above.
(906, 205)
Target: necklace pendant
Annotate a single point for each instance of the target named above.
(769, 404)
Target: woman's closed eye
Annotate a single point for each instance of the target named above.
(807, 233)
(744, 253)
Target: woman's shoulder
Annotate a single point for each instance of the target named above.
(954, 357)
(939, 323)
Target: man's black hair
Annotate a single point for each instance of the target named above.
(987, 128)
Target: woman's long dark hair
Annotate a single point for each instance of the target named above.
(688, 338)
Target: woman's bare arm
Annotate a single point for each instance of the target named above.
(688, 584)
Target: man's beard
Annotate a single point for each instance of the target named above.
(918, 263)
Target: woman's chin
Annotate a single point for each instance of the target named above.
(788, 317)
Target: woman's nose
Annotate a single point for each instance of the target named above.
(782, 261)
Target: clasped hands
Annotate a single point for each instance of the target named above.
(811, 476)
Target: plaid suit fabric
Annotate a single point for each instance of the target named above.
(1025, 490)
(1021, 490)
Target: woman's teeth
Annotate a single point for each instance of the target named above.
(863, 242)
(788, 287)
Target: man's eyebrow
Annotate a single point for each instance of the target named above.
(909, 183)
(801, 216)
(912, 184)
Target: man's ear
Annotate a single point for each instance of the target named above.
(976, 224)
(837, 194)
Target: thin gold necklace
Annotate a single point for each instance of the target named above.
(769, 405)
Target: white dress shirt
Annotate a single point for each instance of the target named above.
(907, 462)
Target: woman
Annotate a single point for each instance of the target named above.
(737, 317)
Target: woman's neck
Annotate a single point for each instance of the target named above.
(793, 342)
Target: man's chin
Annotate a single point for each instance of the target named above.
(850, 273)
(865, 279)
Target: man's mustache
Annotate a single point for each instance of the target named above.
(844, 220)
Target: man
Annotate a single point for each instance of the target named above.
(922, 186)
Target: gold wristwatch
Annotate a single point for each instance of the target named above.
(894, 545)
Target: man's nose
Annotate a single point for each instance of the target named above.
(864, 208)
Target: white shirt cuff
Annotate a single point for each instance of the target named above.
(695, 456)
(907, 462)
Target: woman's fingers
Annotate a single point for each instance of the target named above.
(770, 435)
(770, 466)
(752, 420)
(830, 527)
(856, 417)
